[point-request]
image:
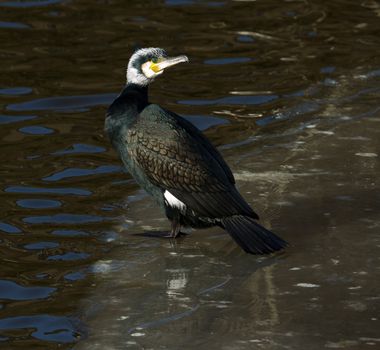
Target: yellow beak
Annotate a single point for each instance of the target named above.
(168, 62)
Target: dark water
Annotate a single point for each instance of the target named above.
(288, 90)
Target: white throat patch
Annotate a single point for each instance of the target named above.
(173, 201)
(136, 77)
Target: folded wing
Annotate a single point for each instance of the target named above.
(176, 157)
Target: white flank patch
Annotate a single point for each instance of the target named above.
(173, 201)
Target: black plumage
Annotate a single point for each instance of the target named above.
(174, 162)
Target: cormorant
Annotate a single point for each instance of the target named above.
(175, 163)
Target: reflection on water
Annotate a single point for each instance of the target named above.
(73, 172)
(288, 92)
(233, 100)
(45, 327)
(12, 291)
(71, 103)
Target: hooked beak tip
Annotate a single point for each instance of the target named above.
(170, 61)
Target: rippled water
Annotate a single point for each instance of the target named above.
(288, 91)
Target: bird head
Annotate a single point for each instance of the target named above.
(146, 64)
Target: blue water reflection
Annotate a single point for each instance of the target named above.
(63, 219)
(62, 103)
(27, 4)
(41, 245)
(75, 276)
(46, 190)
(7, 119)
(70, 233)
(38, 203)
(36, 130)
(232, 100)
(12, 291)
(74, 172)
(69, 256)
(15, 90)
(13, 25)
(81, 148)
(45, 327)
(230, 60)
(8, 228)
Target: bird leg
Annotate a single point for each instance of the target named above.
(175, 230)
(176, 226)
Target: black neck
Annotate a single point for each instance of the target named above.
(131, 101)
(135, 95)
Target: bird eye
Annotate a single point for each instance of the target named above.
(154, 60)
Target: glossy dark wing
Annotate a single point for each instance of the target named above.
(204, 142)
(176, 156)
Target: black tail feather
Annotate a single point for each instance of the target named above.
(251, 236)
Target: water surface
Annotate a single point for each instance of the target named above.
(288, 91)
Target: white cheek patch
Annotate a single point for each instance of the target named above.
(149, 73)
(173, 201)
